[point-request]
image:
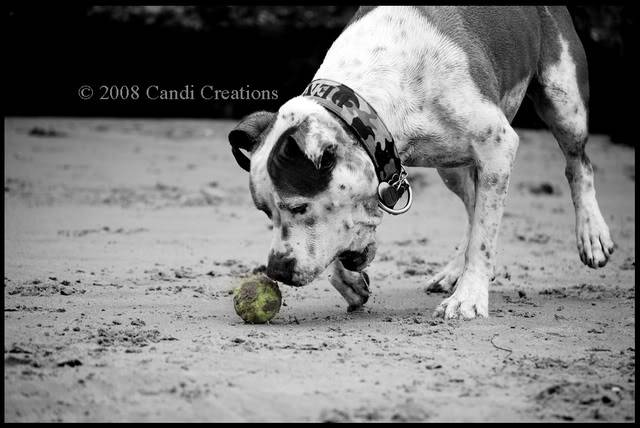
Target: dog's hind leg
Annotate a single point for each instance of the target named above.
(560, 93)
(353, 286)
(460, 181)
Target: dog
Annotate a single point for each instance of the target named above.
(432, 87)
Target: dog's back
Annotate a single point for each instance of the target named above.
(413, 52)
(512, 40)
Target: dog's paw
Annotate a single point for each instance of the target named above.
(445, 280)
(356, 308)
(361, 294)
(595, 245)
(353, 286)
(469, 301)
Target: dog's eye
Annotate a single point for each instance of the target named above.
(299, 209)
(328, 160)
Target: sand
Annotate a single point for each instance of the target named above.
(123, 239)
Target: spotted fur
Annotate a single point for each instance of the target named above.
(446, 82)
(316, 237)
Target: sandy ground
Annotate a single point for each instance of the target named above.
(123, 239)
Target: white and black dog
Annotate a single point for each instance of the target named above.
(418, 86)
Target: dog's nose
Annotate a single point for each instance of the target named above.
(280, 268)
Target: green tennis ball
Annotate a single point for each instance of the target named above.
(257, 300)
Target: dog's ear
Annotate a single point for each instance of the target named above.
(291, 170)
(247, 134)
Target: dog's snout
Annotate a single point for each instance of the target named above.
(281, 267)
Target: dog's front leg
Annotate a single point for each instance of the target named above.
(495, 156)
(354, 286)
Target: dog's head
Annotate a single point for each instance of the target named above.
(310, 175)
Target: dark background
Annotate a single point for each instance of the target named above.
(53, 50)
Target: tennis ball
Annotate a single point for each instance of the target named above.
(257, 300)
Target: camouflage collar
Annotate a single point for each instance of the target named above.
(374, 136)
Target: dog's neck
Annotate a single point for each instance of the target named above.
(379, 97)
(352, 109)
(391, 69)
(372, 134)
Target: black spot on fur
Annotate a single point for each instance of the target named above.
(292, 172)
(369, 174)
(498, 183)
(483, 247)
(285, 232)
(490, 179)
(487, 133)
(310, 221)
(371, 207)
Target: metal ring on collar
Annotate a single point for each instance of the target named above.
(401, 210)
